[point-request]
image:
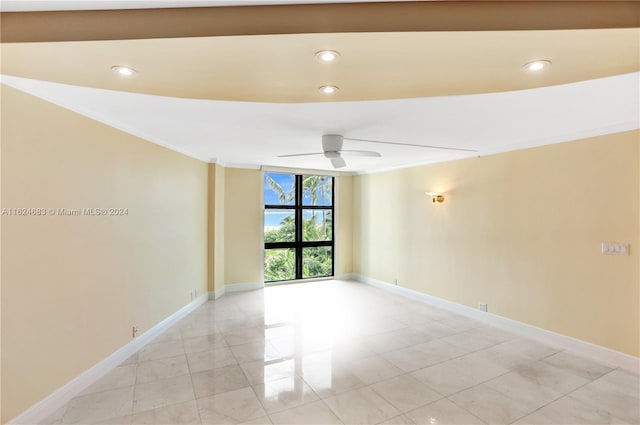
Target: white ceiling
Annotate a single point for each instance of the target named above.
(42, 5)
(251, 134)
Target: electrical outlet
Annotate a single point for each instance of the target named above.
(482, 307)
(134, 331)
(395, 281)
(612, 248)
(191, 295)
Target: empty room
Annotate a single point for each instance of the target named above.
(319, 212)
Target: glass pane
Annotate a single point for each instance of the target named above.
(316, 262)
(279, 226)
(317, 225)
(279, 189)
(316, 190)
(279, 264)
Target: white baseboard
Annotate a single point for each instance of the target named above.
(236, 287)
(214, 295)
(47, 406)
(583, 348)
(239, 287)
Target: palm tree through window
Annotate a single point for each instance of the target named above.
(298, 226)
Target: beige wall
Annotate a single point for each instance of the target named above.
(242, 226)
(73, 287)
(211, 226)
(344, 226)
(218, 267)
(216, 228)
(1, 205)
(520, 231)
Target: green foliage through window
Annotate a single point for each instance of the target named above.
(307, 250)
(279, 264)
(316, 261)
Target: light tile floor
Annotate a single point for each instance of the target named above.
(339, 352)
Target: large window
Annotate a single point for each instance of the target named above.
(298, 226)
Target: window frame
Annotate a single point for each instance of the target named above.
(299, 244)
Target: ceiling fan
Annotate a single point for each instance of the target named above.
(332, 149)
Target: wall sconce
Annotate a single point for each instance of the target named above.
(435, 197)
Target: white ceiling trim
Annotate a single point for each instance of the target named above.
(249, 134)
(51, 5)
(97, 116)
(627, 126)
(335, 173)
(237, 165)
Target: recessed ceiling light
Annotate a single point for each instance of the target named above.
(124, 71)
(327, 55)
(328, 89)
(537, 65)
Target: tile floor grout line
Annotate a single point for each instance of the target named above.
(332, 411)
(552, 401)
(193, 387)
(245, 325)
(498, 391)
(135, 385)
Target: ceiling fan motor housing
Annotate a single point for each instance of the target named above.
(332, 144)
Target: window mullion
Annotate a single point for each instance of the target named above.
(296, 209)
(299, 224)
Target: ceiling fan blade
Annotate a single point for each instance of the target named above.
(338, 162)
(411, 144)
(360, 153)
(301, 154)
